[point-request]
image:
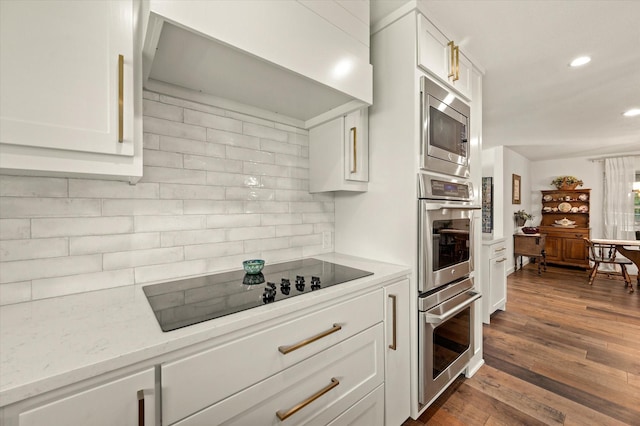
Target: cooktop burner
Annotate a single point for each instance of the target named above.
(178, 304)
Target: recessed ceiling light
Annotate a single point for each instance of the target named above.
(632, 112)
(582, 60)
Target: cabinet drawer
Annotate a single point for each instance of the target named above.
(196, 382)
(331, 382)
(369, 411)
(497, 250)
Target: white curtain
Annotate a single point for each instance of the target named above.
(619, 174)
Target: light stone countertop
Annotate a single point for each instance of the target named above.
(51, 343)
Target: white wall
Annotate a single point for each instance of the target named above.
(218, 187)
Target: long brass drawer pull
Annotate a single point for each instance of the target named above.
(501, 260)
(284, 415)
(354, 169)
(286, 349)
(120, 98)
(501, 249)
(394, 329)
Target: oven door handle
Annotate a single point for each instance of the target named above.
(453, 306)
(440, 206)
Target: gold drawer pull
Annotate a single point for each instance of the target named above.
(394, 346)
(286, 349)
(283, 415)
(501, 260)
(120, 98)
(501, 249)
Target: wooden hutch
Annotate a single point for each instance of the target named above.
(565, 244)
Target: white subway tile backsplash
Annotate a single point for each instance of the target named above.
(232, 139)
(15, 292)
(186, 238)
(82, 188)
(170, 175)
(168, 223)
(233, 220)
(23, 270)
(33, 249)
(141, 207)
(113, 243)
(153, 157)
(212, 121)
(68, 227)
(131, 259)
(15, 229)
(218, 187)
(80, 283)
(264, 132)
(161, 110)
(190, 192)
(23, 186)
(172, 128)
(14, 207)
(204, 251)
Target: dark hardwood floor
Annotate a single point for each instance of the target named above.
(563, 353)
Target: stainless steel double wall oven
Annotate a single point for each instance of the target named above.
(447, 205)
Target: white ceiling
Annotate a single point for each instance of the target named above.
(533, 102)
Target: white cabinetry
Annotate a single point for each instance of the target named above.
(68, 102)
(397, 359)
(128, 401)
(339, 154)
(494, 281)
(441, 57)
(271, 366)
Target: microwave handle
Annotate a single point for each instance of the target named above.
(431, 206)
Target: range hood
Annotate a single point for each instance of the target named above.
(183, 61)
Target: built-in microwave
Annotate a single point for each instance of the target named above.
(444, 144)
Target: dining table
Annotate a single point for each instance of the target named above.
(628, 248)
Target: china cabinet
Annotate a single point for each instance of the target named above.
(565, 221)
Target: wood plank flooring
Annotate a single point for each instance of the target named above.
(563, 353)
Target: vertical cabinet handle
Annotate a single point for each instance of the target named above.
(394, 328)
(141, 421)
(457, 77)
(120, 98)
(452, 59)
(282, 415)
(354, 169)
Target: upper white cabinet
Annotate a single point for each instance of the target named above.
(442, 58)
(129, 401)
(339, 154)
(68, 89)
(304, 62)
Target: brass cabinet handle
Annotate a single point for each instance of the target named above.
(354, 169)
(501, 249)
(451, 61)
(284, 415)
(120, 98)
(286, 349)
(457, 77)
(394, 329)
(141, 421)
(501, 260)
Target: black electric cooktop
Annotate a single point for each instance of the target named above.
(178, 304)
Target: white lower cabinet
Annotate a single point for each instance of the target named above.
(126, 401)
(339, 154)
(494, 279)
(369, 411)
(312, 392)
(397, 354)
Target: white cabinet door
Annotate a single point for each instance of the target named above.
(439, 56)
(63, 89)
(398, 311)
(369, 411)
(498, 284)
(114, 403)
(339, 154)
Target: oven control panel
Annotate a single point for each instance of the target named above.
(431, 186)
(449, 189)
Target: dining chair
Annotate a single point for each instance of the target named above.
(606, 254)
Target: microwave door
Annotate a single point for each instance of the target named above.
(447, 134)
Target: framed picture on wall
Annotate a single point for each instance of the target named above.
(515, 189)
(487, 205)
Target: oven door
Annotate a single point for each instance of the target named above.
(445, 243)
(446, 343)
(445, 130)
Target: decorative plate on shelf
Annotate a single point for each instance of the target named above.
(547, 198)
(583, 197)
(583, 209)
(564, 207)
